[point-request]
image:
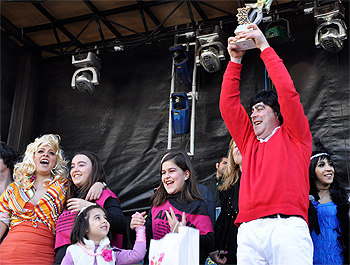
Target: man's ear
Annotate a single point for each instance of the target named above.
(217, 165)
(278, 115)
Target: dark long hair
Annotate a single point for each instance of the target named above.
(339, 196)
(97, 175)
(81, 225)
(190, 191)
(9, 156)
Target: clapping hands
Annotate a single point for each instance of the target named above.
(173, 222)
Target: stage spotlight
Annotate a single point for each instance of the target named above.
(278, 31)
(211, 50)
(181, 63)
(87, 77)
(331, 35)
(332, 31)
(180, 113)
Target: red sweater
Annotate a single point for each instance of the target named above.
(274, 173)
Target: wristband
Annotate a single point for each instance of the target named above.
(140, 234)
(140, 227)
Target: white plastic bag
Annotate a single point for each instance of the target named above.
(176, 248)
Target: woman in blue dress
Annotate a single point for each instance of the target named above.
(331, 240)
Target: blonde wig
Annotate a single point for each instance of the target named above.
(231, 175)
(24, 170)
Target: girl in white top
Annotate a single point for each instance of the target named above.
(91, 244)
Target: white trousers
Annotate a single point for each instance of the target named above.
(275, 241)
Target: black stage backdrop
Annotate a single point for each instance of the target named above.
(125, 121)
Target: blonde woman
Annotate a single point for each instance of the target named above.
(31, 204)
(225, 229)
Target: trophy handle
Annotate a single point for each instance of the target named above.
(256, 14)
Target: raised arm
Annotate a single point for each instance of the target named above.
(233, 113)
(131, 256)
(288, 98)
(139, 250)
(291, 108)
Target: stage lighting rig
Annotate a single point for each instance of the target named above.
(332, 30)
(181, 63)
(211, 50)
(87, 77)
(278, 31)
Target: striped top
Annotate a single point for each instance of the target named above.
(46, 211)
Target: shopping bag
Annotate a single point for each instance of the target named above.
(176, 248)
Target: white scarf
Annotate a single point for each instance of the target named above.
(80, 256)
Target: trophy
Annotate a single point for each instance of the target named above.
(243, 22)
(243, 18)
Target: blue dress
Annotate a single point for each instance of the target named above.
(326, 246)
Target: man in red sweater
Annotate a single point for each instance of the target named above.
(273, 198)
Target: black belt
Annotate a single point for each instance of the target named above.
(276, 216)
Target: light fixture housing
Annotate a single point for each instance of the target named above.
(85, 79)
(278, 32)
(181, 63)
(87, 76)
(332, 30)
(331, 35)
(211, 51)
(209, 58)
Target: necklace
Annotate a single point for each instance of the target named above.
(31, 178)
(105, 253)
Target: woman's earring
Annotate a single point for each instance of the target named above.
(53, 171)
(187, 175)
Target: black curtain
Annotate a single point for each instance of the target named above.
(125, 121)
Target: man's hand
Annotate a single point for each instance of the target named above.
(236, 56)
(252, 32)
(256, 34)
